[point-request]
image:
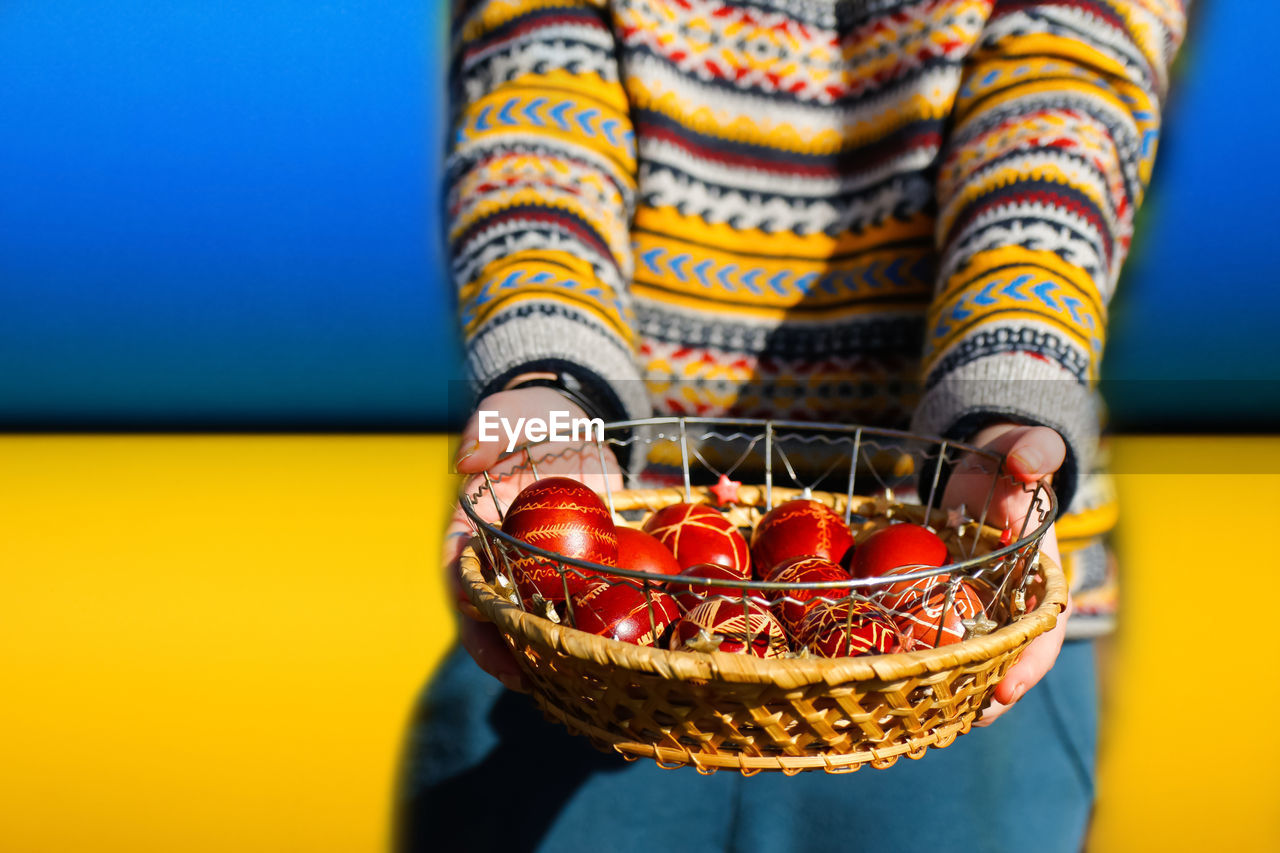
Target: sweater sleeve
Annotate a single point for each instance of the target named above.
(541, 182)
(1052, 145)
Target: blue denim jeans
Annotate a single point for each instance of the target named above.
(484, 771)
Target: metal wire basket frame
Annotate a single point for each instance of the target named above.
(995, 569)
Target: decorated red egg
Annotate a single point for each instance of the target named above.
(804, 570)
(563, 516)
(623, 613)
(919, 608)
(848, 629)
(697, 533)
(689, 596)
(640, 552)
(728, 626)
(898, 545)
(799, 528)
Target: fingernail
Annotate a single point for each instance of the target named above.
(1028, 460)
(1018, 690)
(465, 452)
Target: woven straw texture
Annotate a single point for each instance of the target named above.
(713, 710)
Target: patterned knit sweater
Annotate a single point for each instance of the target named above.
(882, 211)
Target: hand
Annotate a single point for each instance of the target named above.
(581, 461)
(1032, 454)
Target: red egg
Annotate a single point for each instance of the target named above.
(919, 608)
(804, 570)
(565, 517)
(640, 552)
(621, 612)
(689, 596)
(848, 629)
(750, 630)
(898, 545)
(799, 528)
(697, 533)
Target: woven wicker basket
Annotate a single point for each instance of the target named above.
(713, 710)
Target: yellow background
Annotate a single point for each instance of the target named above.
(214, 643)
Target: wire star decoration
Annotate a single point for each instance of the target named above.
(705, 641)
(978, 627)
(956, 517)
(726, 490)
(544, 608)
(505, 589)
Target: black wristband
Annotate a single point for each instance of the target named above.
(570, 388)
(589, 391)
(592, 393)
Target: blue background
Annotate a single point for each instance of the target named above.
(224, 216)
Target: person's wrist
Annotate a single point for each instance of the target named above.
(520, 379)
(567, 386)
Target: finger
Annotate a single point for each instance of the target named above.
(457, 590)
(1036, 453)
(461, 600)
(484, 643)
(483, 441)
(473, 454)
(1035, 662)
(1038, 658)
(1032, 666)
(991, 714)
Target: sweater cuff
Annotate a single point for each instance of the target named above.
(1023, 389)
(604, 368)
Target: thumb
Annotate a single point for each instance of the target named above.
(482, 442)
(486, 436)
(1031, 453)
(1036, 453)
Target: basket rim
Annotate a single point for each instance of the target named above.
(747, 669)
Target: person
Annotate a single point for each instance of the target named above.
(894, 213)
